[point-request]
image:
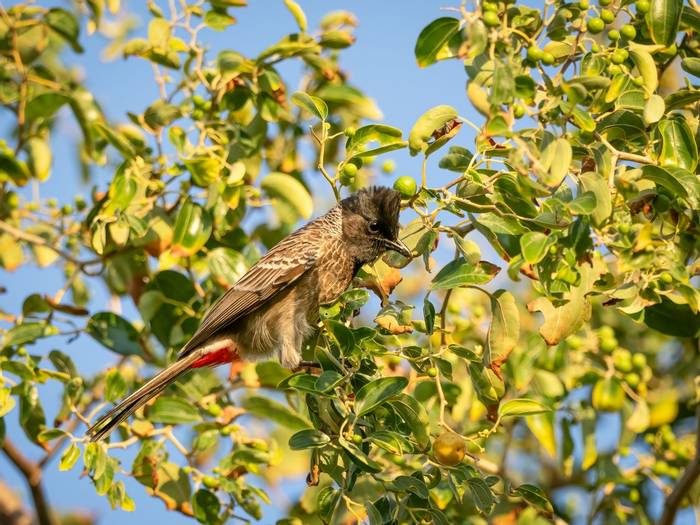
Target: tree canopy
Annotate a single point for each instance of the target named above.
(554, 382)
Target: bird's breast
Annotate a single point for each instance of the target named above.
(335, 271)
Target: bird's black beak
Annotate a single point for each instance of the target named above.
(398, 247)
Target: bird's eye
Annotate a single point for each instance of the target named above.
(373, 226)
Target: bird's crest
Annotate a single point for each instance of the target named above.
(377, 203)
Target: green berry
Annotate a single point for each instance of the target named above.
(632, 379)
(534, 53)
(606, 331)
(639, 361)
(628, 31)
(583, 4)
(548, 59)
(350, 132)
(607, 16)
(642, 6)
(604, 3)
(595, 48)
(388, 166)
(595, 25)
(666, 278)
(618, 56)
(349, 170)
(622, 359)
(80, 203)
(489, 6)
(432, 372)
(66, 209)
(614, 34)
(491, 19)
(12, 200)
(51, 202)
(608, 344)
(357, 439)
(210, 482)
(357, 161)
(518, 111)
(638, 81)
(406, 186)
(624, 228)
(347, 174)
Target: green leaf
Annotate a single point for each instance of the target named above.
(427, 124)
(646, 67)
(173, 411)
(664, 178)
(290, 191)
(556, 158)
(359, 457)
(504, 329)
(534, 246)
(411, 485)
(433, 42)
(593, 182)
(265, 408)
(226, 265)
(562, 321)
(483, 496)
(542, 427)
(218, 20)
(299, 16)
(45, 105)
(39, 158)
(416, 417)
(313, 105)
(534, 496)
(66, 25)
(69, 457)
(115, 385)
(206, 506)
(673, 319)
(584, 204)
(114, 332)
(664, 19)
(382, 138)
(522, 407)
(26, 333)
(457, 159)
(204, 169)
(7, 402)
(193, 226)
(459, 272)
(308, 438)
(373, 394)
(678, 146)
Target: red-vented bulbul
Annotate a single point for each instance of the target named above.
(275, 305)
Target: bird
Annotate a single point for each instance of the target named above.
(274, 306)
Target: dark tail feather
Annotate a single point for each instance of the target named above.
(111, 420)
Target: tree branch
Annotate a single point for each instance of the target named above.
(32, 473)
(691, 474)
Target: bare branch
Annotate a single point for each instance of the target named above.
(32, 473)
(689, 477)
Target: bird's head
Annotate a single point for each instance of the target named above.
(371, 223)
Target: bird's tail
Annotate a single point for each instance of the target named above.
(111, 420)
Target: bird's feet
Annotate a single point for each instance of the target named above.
(306, 364)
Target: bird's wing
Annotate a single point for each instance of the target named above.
(276, 270)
